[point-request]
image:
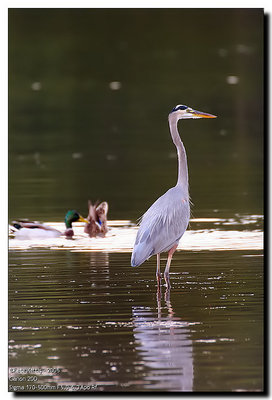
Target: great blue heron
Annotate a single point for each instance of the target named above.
(167, 219)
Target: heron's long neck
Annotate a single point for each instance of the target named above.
(182, 159)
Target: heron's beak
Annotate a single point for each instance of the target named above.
(81, 219)
(200, 114)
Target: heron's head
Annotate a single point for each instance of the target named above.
(185, 112)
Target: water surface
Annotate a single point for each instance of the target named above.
(105, 325)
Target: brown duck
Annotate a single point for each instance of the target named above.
(97, 219)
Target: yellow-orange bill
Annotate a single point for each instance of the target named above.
(203, 115)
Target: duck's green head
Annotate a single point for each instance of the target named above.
(73, 216)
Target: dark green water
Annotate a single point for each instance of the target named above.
(161, 58)
(102, 322)
(74, 134)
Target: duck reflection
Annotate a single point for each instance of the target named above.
(164, 344)
(99, 268)
(100, 259)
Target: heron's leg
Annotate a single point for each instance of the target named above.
(167, 268)
(158, 273)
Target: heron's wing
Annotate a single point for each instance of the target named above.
(162, 225)
(165, 229)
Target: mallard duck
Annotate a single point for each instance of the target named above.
(97, 219)
(35, 230)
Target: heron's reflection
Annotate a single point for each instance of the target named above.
(164, 344)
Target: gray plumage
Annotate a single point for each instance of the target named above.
(167, 219)
(162, 225)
